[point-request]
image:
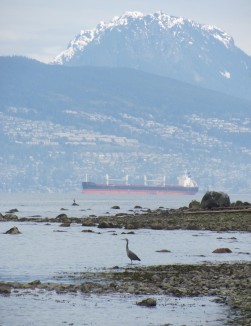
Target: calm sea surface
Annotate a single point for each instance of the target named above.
(50, 204)
(52, 253)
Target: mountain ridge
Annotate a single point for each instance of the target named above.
(113, 81)
(166, 45)
(58, 123)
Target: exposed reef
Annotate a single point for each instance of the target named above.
(226, 219)
(230, 283)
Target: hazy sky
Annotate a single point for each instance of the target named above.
(41, 29)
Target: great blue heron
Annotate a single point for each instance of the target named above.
(131, 255)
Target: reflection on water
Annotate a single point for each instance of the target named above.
(41, 308)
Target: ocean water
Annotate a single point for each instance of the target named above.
(41, 308)
(51, 204)
(46, 252)
(49, 252)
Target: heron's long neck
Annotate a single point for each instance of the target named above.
(127, 248)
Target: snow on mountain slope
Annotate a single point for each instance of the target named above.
(172, 46)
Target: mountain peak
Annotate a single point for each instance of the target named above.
(166, 45)
(139, 22)
(128, 15)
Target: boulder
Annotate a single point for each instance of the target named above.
(132, 226)
(13, 230)
(13, 210)
(150, 302)
(115, 207)
(194, 204)
(239, 203)
(214, 199)
(10, 216)
(222, 251)
(74, 203)
(88, 231)
(62, 217)
(5, 289)
(105, 225)
(88, 223)
(35, 282)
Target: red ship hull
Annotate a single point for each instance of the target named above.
(93, 188)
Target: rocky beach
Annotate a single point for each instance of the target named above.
(229, 283)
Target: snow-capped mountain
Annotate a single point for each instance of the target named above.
(161, 44)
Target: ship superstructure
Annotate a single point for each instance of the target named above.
(185, 186)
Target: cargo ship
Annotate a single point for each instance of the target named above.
(185, 186)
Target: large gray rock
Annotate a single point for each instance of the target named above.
(215, 199)
(13, 230)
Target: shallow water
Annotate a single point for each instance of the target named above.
(41, 308)
(52, 253)
(46, 251)
(50, 205)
